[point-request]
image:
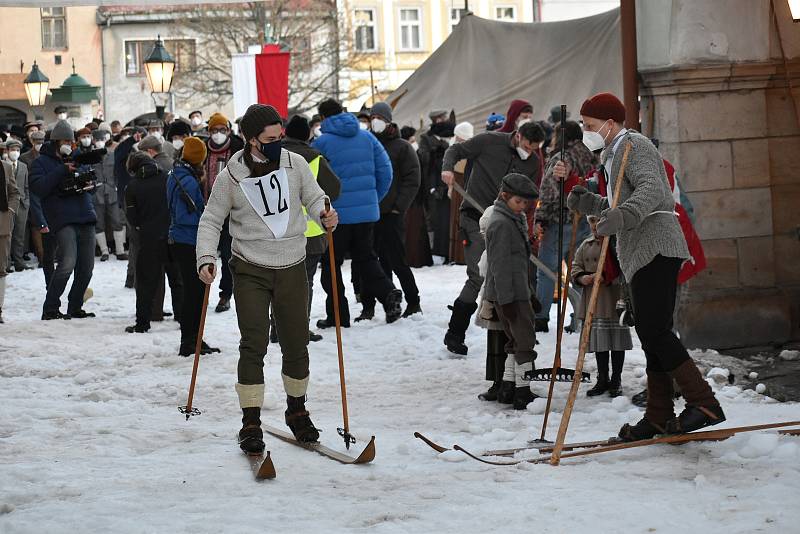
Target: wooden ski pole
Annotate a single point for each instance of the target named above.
(188, 410)
(562, 313)
(345, 430)
(587, 327)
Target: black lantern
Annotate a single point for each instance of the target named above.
(36, 85)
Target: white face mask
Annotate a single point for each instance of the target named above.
(86, 141)
(99, 144)
(37, 146)
(66, 150)
(523, 154)
(378, 125)
(62, 116)
(520, 122)
(415, 145)
(593, 141)
(317, 131)
(219, 138)
(177, 143)
(197, 121)
(122, 138)
(158, 134)
(363, 125)
(13, 155)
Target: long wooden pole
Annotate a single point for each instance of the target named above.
(338, 321)
(587, 327)
(197, 347)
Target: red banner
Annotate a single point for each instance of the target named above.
(272, 78)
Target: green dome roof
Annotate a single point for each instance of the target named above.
(75, 80)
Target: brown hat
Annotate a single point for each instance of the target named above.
(216, 120)
(256, 118)
(83, 131)
(194, 150)
(13, 143)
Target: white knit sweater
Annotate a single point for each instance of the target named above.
(253, 241)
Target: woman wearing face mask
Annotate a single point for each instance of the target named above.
(263, 191)
(580, 161)
(222, 145)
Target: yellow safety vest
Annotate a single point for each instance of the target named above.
(312, 228)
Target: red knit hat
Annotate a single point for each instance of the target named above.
(604, 106)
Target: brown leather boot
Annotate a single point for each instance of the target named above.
(702, 407)
(659, 409)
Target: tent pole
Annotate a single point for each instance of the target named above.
(630, 74)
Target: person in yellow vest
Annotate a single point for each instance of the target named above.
(297, 132)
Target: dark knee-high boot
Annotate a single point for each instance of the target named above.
(602, 375)
(617, 361)
(702, 408)
(660, 397)
(495, 362)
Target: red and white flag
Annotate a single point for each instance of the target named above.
(261, 78)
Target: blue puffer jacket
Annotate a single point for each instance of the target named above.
(47, 173)
(361, 164)
(182, 221)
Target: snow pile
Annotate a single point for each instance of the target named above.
(719, 375)
(91, 439)
(790, 355)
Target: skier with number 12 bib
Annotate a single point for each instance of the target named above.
(264, 189)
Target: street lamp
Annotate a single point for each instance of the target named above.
(36, 85)
(794, 7)
(159, 67)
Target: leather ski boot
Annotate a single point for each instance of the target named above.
(251, 438)
(457, 328)
(659, 409)
(495, 363)
(298, 420)
(393, 306)
(702, 408)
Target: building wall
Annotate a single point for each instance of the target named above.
(716, 96)
(21, 29)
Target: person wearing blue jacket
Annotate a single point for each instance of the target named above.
(365, 172)
(186, 204)
(70, 218)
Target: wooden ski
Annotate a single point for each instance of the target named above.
(260, 464)
(366, 456)
(511, 452)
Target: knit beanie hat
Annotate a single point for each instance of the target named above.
(255, 119)
(383, 110)
(194, 150)
(62, 131)
(329, 108)
(178, 127)
(604, 106)
(216, 120)
(519, 185)
(298, 128)
(464, 130)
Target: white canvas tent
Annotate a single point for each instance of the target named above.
(485, 64)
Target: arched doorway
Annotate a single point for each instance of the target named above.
(12, 116)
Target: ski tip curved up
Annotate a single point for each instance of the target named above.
(267, 469)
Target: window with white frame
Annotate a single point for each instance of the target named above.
(54, 27)
(506, 13)
(410, 29)
(364, 20)
(455, 17)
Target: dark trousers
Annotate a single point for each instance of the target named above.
(391, 248)
(357, 240)
(193, 290)
(312, 262)
(173, 273)
(75, 253)
(133, 252)
(226, 282)
(155, 260)
(520, 331)
(653, 290)
(49, 246)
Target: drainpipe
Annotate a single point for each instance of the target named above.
(630, 71)
(103, 66)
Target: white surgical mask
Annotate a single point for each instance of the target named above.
(62, 116)
(13, 155)
(363, 125)
(177, 143)
(523, 154)
(593, 141)
(37, 146)
(86, 141)
(415, 145)
(158, 134)
(520, 122)
(317, 131)
(66, 150)
(99, 144)
(219, 138)
(197, 121)
(378, 125)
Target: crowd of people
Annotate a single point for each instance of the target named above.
(172, 197)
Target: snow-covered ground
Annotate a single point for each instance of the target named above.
(91, 439)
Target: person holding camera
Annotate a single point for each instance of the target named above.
(66, 200)
(186, 205)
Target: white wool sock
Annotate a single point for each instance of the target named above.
(250, 395)
(508, 374)
(119, 241)
(102, 242)
(519, 373)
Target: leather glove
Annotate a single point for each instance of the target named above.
(611, 222)
(509, 311)
(580, 199)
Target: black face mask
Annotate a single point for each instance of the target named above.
(271, 151)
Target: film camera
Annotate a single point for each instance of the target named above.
(83, 180)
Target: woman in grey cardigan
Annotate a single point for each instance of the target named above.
(651, 249)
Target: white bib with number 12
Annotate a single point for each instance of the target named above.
(269, 196)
